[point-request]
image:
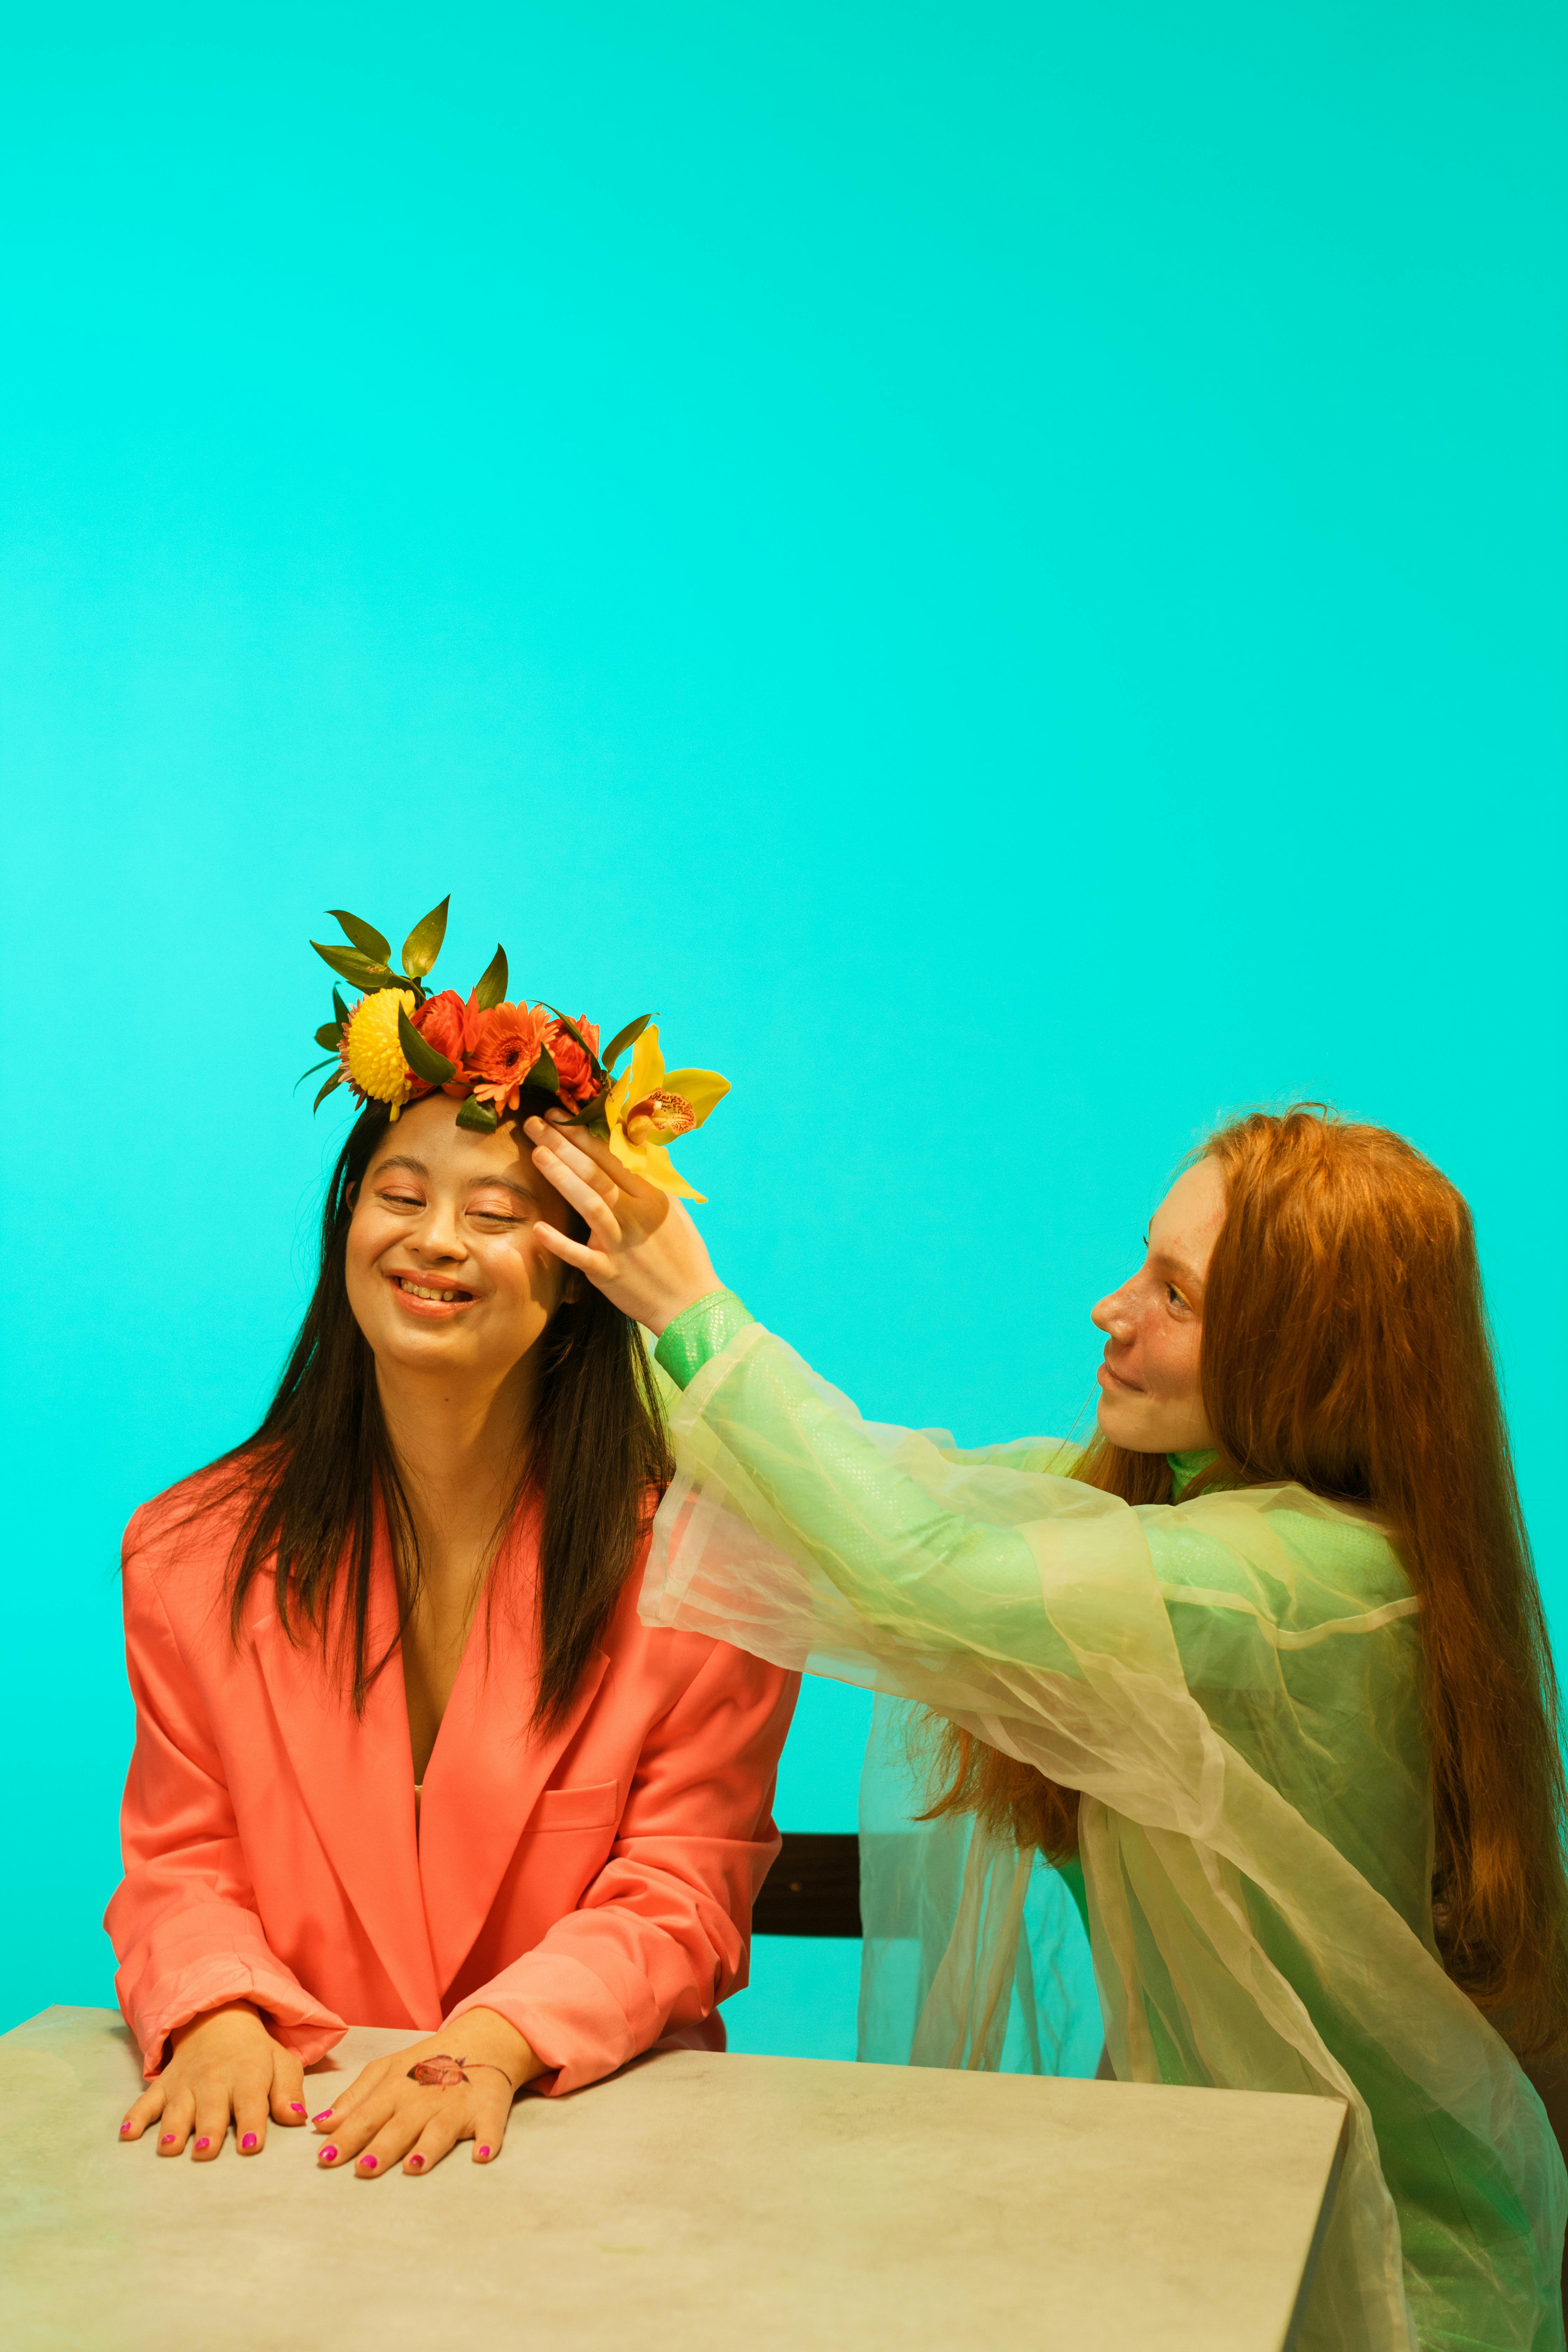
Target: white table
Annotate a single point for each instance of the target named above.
(693, 2203)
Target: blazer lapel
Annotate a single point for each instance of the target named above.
(488, 1764)
(356, 1779)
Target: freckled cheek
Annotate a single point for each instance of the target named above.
(1153, 1351)
(1171, 1361)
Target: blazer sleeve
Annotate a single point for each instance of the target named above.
(184, 1920)
(663, 1934)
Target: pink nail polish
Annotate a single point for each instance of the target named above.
(328, 2156)
(484, 2151)
(166, 2139)
(249, 2140)
(296, 2106)
(123, 2129)
(322, 2117)
(204, 2143)
(369, 2163)
(417, 2161)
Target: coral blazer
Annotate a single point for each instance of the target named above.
(594, 1885)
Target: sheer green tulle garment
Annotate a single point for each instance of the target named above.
(1234, 1683)
(1036, 2008)
(936, 1894)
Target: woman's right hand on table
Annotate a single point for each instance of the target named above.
(222, 2064)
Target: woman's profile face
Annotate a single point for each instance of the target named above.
(444, 1272)
(1150, 1400)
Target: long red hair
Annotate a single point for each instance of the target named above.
(1345, 1347)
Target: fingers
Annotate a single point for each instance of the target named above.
(176, 2122)
(287, 2095)
(492, 2110)
(211, 2122)
(583, 1155)
(250, 2110)
(479, 2117)
(416, 2129)
(583, 1193)
(353, 2127)
(249, 2093)
(595, 1147)
(575, 1144)
(143, 2111)
(438, 2139)
(336, 2111)
(591, 1262)
(398, 2134)
(560, 1147)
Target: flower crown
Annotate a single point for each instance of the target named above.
(494, 1057)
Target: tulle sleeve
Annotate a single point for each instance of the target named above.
(984, 1586)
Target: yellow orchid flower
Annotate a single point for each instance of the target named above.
(649, 1107)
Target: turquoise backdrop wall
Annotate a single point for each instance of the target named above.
(1000, 567)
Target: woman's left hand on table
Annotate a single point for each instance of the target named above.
(384, 2118)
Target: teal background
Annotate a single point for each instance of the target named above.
(1001, 568)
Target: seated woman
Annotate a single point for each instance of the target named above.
(1269, 1659)
(405, 1755)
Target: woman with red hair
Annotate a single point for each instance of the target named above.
(1268, 1659)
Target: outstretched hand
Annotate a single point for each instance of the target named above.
(643, 1250)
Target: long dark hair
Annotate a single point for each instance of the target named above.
(1345, 1347)
(321, 1464)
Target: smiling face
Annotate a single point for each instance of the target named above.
(444, 1273)
(1150, 1398)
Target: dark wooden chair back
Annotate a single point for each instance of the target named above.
(813, 1887)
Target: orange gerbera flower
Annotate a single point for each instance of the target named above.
(500, 1048)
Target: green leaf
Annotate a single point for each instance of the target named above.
(356, 969)
(422, 1057)
(476, 1114)
(341, 1009)
(365, 937)
(544, 1075)
(423, 945)
(628, 1036)
(329, 1032)
(491, 989)
(311, 1071)
(326, 1090)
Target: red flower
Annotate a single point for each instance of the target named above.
(500, 1047)
(441, 1021)
(574, 1067)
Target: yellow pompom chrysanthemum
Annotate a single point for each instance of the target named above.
(372, 1051)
